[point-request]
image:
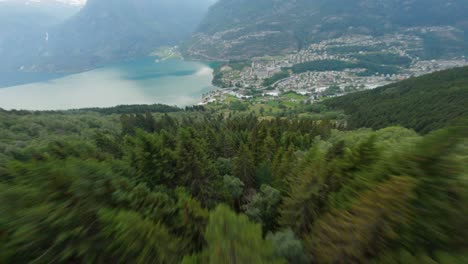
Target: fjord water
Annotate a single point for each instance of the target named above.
(143, 81)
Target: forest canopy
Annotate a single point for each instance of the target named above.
(424, 104)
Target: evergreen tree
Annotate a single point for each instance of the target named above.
(307, 194)
(367, 228)
(190, 223)
(263, 208)
(135, 239)
(195, 170)
(282, 167)
(244, 166)
(153, 161)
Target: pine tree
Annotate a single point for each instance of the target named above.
(365, 230)
(306, 195)
(282, 167)
(263, 208)
(154, 162)
(135, 239)
(195, 170)
(244, 166)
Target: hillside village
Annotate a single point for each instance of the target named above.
(272, 76)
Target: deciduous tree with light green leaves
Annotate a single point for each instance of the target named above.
(233, 239)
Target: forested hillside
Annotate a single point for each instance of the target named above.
(426, 103)
(236, 29)
(198, 186)
(101, 32)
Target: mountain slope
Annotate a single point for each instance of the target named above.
(425, 103)
(104, 32)
(242, 28)
(23, 27)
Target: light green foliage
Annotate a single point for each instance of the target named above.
(365, 229)
(263, 208)
(306, 194)
(234, 239)
(288, 246)
(234, 186)
(135, 239)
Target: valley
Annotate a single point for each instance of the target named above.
(234, 131)
(333, 67)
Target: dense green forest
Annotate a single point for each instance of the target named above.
(425, 103)
(276, 77)
(369, 64)
(194, 187)
(158, 184)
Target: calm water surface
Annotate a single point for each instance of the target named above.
(144, 81)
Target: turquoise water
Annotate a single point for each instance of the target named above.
(143, 81)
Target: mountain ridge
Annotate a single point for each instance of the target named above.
(235, 29)
(103, 32)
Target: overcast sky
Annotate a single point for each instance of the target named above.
(73, 2)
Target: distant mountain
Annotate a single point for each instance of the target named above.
(48, 2)
(108, 31)
(23, 27)
(425, 103)
(245, 28)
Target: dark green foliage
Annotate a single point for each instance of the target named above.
(195, 170)
(237, 106)
(332, 90)
(306, 194)
(153, 161)
(371, 65)
(244, 166)
(288, 246)
(133, 238)
(380, 58)
(83, 187)
(424, 104)
(276, 77)
(366, 228)
(133, 109)
(64, 211)
(263, 208)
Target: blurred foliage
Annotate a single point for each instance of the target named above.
(194, 186)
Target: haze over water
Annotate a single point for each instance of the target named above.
(144, 81)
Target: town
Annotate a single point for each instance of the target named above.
(397, 56)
